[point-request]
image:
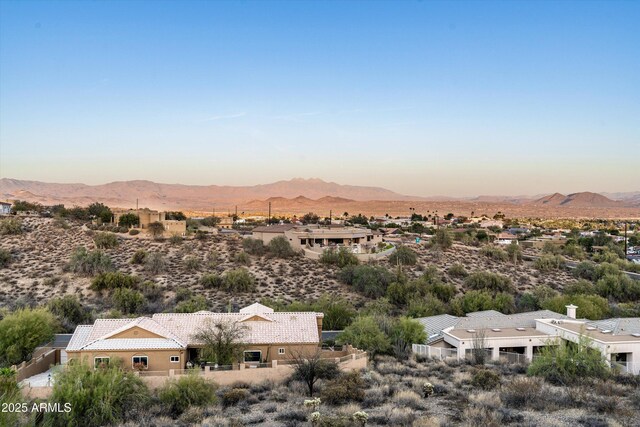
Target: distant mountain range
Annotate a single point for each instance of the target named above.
(296, 193)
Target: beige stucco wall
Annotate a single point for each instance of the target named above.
(158, 360)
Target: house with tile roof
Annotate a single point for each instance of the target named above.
(523, 334)
(168, 341)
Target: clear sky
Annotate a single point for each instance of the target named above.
(421, 97)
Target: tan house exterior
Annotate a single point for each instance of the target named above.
(148, 216)
(166, 341)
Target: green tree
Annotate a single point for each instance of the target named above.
(69, 311)
(591, 307)
(341, 257)
(22, 331)
(484, 280)
(192, 305)
(128, 301)
(310, 369)
(280, 247)
(176, 216)
(239, 280)
(371, 281)
(310, 218)
(156, 229)
(253, 246)
(105, 240)
(442, 238)
(101, 212)
(128, 220)
(365, 334)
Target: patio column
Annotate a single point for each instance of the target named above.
(495, 353)
(529, 353)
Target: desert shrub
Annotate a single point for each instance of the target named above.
(211, 281)
(175, 239)
(128, 220)
(338, 312)
(403, 255)
(234, 396)
(457, 270)
(10, 226)
(619, 287)
(192, 263)
(134, 232)
(514, 251)
(151, 291)
(549, 262)
(551, 249)
(521, 392)
(592, 307)
(409, 330)
(364, 333)
(280, 247)
(253, 246)
(22, 331)
(409, 399)
(504, 303)
(485, 379)
(442, 238)
(580, 286)
(113, 280)
(155, 263)
(311, 369)
(5, 257)
(89, 263)
(243, 258)
(371, 281)
(482, 300)
(192, 305)
(105, 396)
(483, 280)
(69, 311)
(585, 270)
(128, 301)
(574, 251)
(183, 294)
(177, 395)
(105, 240)
(139, 257)
(348, 387)
(494, 253)
(569, 363)
(341, 257)
(239, 280)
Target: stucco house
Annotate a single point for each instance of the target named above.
(5, 208)
(166, 341)
(525, 333)
(147, 216)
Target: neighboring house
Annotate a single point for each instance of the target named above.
(225, 222)
(316, 237)
(5, 208)
(525, 333)
(491, 223)
(147, 216)
(506, 238)
(166, 341)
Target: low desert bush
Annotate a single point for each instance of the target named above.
(239, 280)
(105, 240)
(139, 257)
(155, 263)
(134, 232)
(253, 246)
(211, 281)
(485, 379)
(409, 399)
(69, 311)
(549, 262)
(234, 396)
(341, 257)
(189, 390)
(403, 256)
(243, 258)
(482, 280)
(10, 226)
(113, 280)
(128, 301)
(371, 281)
(89, 263)
(348, 387)
(495, 253)
(521, 392)
(5, 257)
(192, 263)
(280, 247)
(457, 270)
(192, 305)
(175, 239)
(22, 331)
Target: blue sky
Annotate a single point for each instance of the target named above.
(425, 98)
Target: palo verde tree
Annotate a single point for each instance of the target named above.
(222, 341)
(311, 368)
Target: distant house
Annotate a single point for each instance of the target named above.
(506, 238)
(148, 216)
(225, 222)
(166, 340)
(524, 334)
(5, 208)
(491, 223)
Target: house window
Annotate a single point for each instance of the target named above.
(252, 356)
(100, 362)
(174, 359)
(140, 362)
(281, 351)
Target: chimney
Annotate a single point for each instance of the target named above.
(571, 311)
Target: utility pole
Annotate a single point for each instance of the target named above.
(236, 214)
(330, 216)
(213, 212)
(269, 217)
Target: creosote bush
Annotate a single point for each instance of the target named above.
(234, 396)
(139, 257)
(155, 263)
(5, 257)
(280, 247)
(89, 263)
(113, 280)
(341, 257)
(485, 379)
(403, 255)
(238, 280)
(105, 240)
(10, 226)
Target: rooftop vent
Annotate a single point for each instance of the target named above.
(520, 329)
(471, 331)
(607, 331)
(591, 328)
(637, 335)
(496, 329)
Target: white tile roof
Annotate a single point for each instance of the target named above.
(177, 329)
(256, 308)
(283, 327)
